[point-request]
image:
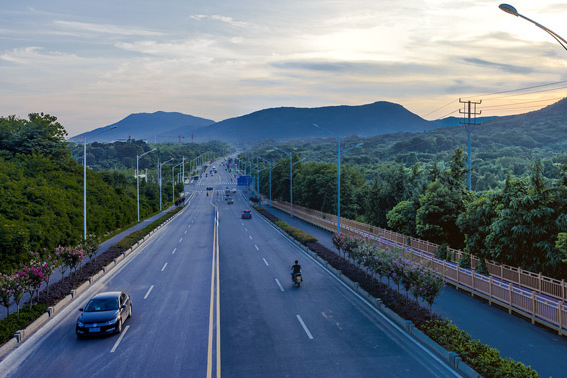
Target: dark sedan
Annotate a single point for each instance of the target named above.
(104, 314)
(246, 214)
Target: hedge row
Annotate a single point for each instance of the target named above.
(9, 326)
(136, 236)
(296, 233)
(482, 358)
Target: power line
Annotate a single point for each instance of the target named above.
(523, 89)
(525, 102)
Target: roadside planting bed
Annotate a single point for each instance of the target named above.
(481, 357)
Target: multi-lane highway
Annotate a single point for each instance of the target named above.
(212, 296)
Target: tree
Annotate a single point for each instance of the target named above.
(402, 218)
(475, 224)
(442, 203)
(524, 231)
(430, 285)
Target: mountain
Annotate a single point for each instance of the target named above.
(154, 127)
(288, 123)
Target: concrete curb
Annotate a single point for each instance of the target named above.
(451, 358)
(22, 335)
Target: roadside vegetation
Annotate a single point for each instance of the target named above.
(41, 181)
(521, 223)
(30, 278)
(409, 287)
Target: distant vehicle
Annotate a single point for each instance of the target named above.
(209, 188)
(104, 314)
(246, 214)
(229, 200)
(234, 190)
(227, 192)
(195, 178)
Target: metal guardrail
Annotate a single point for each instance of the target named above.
(540, 298)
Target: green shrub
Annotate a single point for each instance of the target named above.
(296, 233)
(484, 359)
(465, 260)
(135, 236)
(9, 326)
(441, 252)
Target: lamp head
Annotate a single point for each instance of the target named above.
(508, 9)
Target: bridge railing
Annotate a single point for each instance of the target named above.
(540, 298)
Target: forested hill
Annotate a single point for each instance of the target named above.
(41, 205)
(158, 127)
(289, 123)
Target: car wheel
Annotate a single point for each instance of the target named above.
(119, 328)
(130, 313)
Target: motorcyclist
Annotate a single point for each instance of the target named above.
(295, 269)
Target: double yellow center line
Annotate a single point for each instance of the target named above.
(215, 302)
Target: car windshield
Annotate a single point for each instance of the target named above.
(102, 304)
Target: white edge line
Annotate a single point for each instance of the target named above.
(162, 269)
(174, 249)
(180, 240)
(120, 338)
(394, 325)
(265, 261)
(250, 236)
(149, 291)
(257, 249)
(280, 285)
(304, 327)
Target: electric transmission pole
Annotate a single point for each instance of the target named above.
(468, 123)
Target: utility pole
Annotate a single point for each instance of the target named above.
(468, 123)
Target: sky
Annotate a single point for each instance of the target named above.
(92, 63)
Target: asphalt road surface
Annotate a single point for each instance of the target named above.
(212, 296)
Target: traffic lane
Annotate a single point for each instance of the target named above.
(339, 323)
(178, 320)
(248, 345)
(60, 347)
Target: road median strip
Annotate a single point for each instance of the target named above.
(450, 357)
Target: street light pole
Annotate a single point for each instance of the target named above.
(270, 170)
(85, 180)
(339, 153)
(291, 164)
(173, 181)
(138, 181)
(511, 10)
(160, 180)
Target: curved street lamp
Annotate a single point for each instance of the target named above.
(339, 153)
(85, 180)
(511, 10)
(138, 180)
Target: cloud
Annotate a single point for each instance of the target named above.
(361, 68)
(216, 17)
(105, 29)
(34, 54)
(500, 66)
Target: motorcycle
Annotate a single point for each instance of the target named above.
(296, 278)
